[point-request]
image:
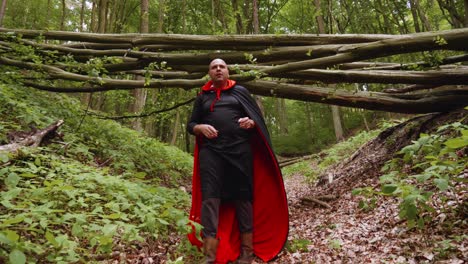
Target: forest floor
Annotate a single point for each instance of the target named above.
(346, 234)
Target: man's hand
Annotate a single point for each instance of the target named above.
(246, 123)
(207, 130)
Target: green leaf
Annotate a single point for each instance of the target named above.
(456, 143)
(389, 188)
(162, 221)
(4, 157)
(12, 235)
(28, 175)
(14, 220)
(140, 175)
(12, 180)
(50, 237)
(77, 230)
(356, 191)
(37, 161)
(4, 239)
(17, 257)
(422, 177)
(112, 216)
(442, 184)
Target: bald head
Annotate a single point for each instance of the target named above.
(219, 73)
(217, 61)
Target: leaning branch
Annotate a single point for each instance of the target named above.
(144, 114)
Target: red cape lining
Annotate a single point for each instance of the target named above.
(270, 209)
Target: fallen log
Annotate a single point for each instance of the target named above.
(34, 138)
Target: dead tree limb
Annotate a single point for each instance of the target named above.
(34, 139)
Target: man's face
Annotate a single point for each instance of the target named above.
(218, 71)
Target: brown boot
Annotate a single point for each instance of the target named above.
(246, 255)
(210, 246)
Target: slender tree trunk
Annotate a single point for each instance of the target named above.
(93, 27)
(414, 12)
(64, 14)
(319, 19)
(2, 11)
(309, 120)
(49, 7)
(184, 15)
(337, 123)
(455, 19)
(248, 16)
(213, 17)
(422, 16)
(93, 24)
(144, 20)
(175, 130)
(235, 8)
(102, 20)
(255, 24)
(141, 94)
(256, 30)
(160, 17)
(334, 108)
(82, 13)
(465, 22)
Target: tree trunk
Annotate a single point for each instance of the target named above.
(141, 94)
(160, 18)
(83, 8)
(465, 23)
(280, 106)
(256, 23)
(319, 18)
(102, 19)
(414, 12)
(337, 123)
(64, 14)
(235, 8)
(335, 110)
(456, 20)
(422, 15)
(2, 11)
(256, 30)
(94, 24)
(175, 130)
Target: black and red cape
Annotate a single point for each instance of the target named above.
(270, 208)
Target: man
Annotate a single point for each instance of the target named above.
(238, 193)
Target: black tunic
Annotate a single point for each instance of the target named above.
(225, 161)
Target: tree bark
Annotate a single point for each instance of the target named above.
(102, 19)
(141, 94)
(422, 15)
(83, 8)
(335, 109)
(414, 13)
(64, 14)
(2, 11)
(465, 23)
(161, 12)
(235, 8)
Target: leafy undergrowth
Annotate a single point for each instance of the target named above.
(415, 213)
(97, 191)
(312, 169)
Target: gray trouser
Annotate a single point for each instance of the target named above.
(210, 216)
